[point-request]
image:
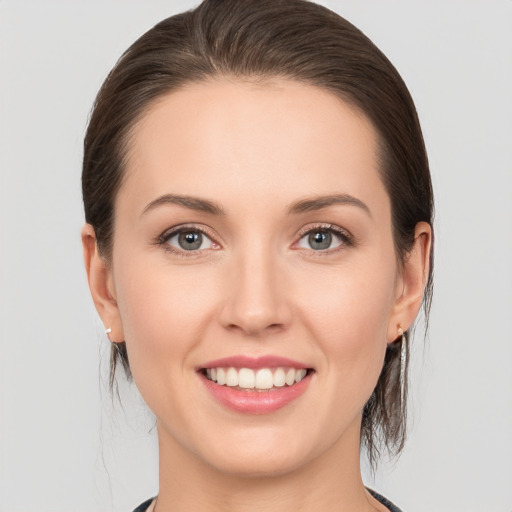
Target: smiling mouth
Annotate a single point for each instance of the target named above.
(262, 379)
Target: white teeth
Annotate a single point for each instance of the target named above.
(300, 375)
(264, 378)
(221, 376)
(279, 378)
(246, 378)
(231, 377)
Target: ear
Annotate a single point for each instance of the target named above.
(101, 284)
(411, 283)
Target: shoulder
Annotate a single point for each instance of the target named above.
(384, 501)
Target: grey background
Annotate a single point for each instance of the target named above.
(63, 445)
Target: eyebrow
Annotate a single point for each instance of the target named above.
(320, 202)
(192, 203)
(302, 206)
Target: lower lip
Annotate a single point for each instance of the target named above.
(256, 402)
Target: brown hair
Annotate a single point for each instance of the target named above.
(260, 39)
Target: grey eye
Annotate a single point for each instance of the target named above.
(320, 240)
(189, 240)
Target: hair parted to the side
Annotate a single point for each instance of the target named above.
(259, 40)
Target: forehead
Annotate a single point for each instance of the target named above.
(226, 137)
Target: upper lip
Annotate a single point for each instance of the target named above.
(243, 361)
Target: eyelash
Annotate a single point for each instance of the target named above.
(347, 240)
(164, 238)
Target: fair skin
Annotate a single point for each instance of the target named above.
(275, 272)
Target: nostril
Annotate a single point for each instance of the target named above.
(254, 307)
(254, 330)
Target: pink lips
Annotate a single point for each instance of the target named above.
(255, 401)
(254, 362)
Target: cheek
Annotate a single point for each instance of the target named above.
(163, 315)
(347, 311)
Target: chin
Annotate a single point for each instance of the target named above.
(258, 465)
(262, 453)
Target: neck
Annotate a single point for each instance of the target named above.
(331, 481)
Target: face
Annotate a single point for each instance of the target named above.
(253, 273)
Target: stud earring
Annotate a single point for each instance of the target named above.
(108, 330)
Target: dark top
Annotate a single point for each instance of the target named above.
(143, 506)
(384, 501)
(392, 508)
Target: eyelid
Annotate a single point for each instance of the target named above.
(345, 235)
(170, 232)
(323, 226)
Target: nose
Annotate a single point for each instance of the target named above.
(257, 300)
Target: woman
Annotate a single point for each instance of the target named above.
(258, 245)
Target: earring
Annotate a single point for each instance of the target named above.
(403, 361)
(108, 330)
